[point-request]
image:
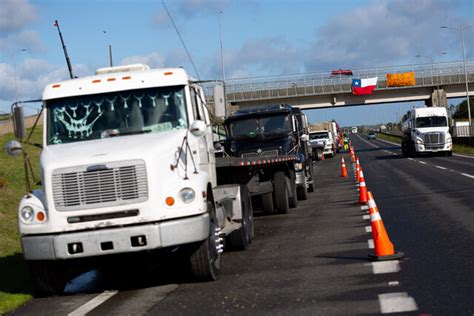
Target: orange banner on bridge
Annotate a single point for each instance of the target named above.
(401, 80)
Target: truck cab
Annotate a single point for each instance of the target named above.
(426, 130)
(272, 130)
(127, 167)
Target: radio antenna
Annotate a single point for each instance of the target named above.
(181, 39)
(68, 62)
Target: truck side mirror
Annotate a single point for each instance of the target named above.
(18, 122)
(198, 128)
(13, 148)
(219, 100)
(304, 137)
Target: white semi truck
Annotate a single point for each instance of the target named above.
(426, 130)
(128, 166)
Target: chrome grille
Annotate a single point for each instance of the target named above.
(265, 153)
(434, 138)
(86, 187)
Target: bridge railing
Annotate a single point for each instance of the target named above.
(254, 88)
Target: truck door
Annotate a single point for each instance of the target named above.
(206, 143)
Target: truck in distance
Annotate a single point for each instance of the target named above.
(426, 130)
(274, 130)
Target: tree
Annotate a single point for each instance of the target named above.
(461, 110)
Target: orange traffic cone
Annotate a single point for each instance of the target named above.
(372, 206)
(352, 155)
(357, 170)
(362, 189)
(344, 170)
(383, 247)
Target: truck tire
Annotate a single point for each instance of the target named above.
(293, 195)
(280, 192)
(404, 148)
(267, 203)
(49, 277)
(206, 259)
(242, 237)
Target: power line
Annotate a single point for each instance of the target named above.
(181, 39)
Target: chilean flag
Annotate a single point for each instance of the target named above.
(363, 86)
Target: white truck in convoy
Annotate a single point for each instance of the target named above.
(426, 130)
(128, 165)
(321, 139)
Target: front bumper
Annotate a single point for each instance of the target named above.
(116, 240)
(421, 148)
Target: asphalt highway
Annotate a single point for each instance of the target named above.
(314, 260)
(427, 203)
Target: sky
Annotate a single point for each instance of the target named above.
(259, 38)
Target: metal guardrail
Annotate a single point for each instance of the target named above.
(255, 88)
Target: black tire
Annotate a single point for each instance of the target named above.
(241, 238)
(280, 192)
(206, 259)
(49, 277)
(267, 203)
(293, 195)
(449, 154)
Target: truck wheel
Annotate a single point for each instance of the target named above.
(292, 196)
(280, 192)
(267, 203)
(449, 154)
(320, 155)
(206, 259)
(241, 238)
(49, 277)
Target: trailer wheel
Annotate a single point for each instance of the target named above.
(206, 259)
(280, 192)
(241, 238)
(267, 203)
(292, 198)
(49, 277)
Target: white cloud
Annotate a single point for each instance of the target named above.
(383, 33)
(15, 14)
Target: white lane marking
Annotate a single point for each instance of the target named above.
(467, 175)
(386, 267)
(422, 162)
(442, 168)
(370, 243)
(93, 303)
(411, 159)
(393, 283)
(366, 216)
(396, 303)
(368, 229)
(364, 207)
(459, 155)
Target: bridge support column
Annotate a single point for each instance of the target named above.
(438, 98)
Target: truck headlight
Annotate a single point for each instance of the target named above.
(419, 140)
(27, 214)
(187, 195)
(298, 166)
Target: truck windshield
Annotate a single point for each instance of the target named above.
(431, 121)
(261, 126)
(321, 135)
(119, 113)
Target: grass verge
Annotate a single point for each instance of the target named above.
(15, 286)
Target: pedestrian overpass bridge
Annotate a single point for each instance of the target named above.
(434, 84)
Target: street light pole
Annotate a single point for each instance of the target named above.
(461, 29)
(222, 54)
(14, 72)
